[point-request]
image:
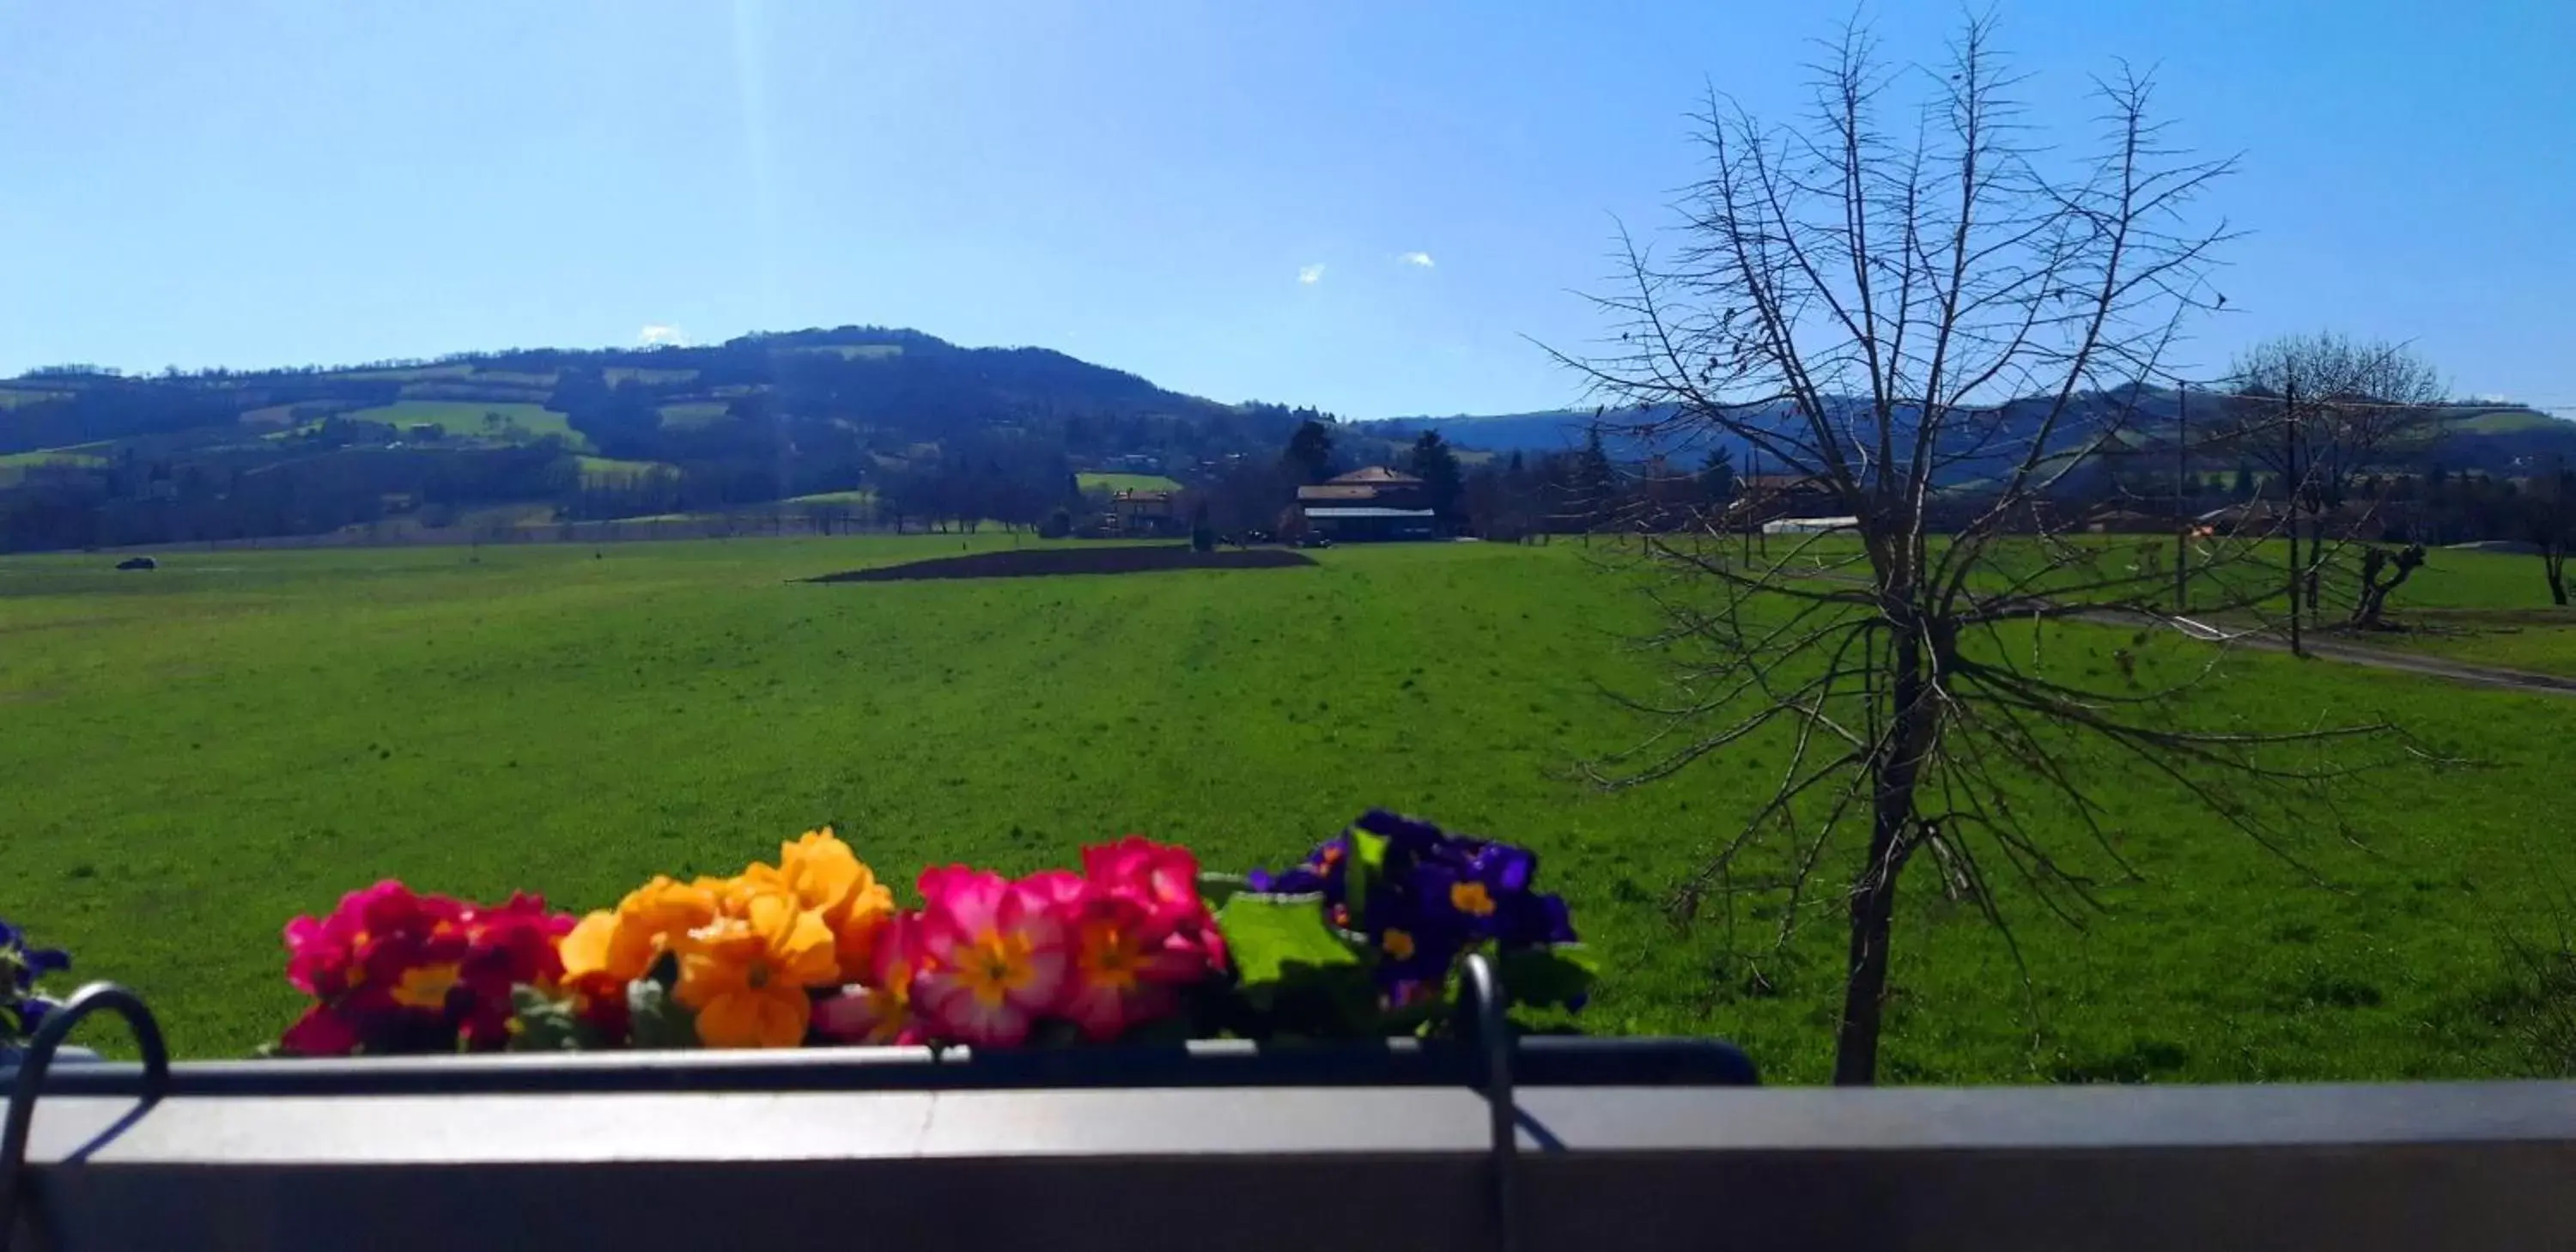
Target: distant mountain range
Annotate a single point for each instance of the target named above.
(2501, 439)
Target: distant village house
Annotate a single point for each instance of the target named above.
(1367, 504)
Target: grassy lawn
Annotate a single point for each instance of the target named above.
(1126, 482)
(197, 754)
(2489, 608)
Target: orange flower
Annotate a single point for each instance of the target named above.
(746, 976)
(622, 945)
(831, 881)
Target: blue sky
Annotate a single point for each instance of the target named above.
(1369, 207)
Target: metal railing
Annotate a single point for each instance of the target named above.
(1546, 1143)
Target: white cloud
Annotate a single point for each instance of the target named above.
(1311, 274)
(655, 335)
(1422, 259)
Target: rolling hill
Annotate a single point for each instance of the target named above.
(92, 456)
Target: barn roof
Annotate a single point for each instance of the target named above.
(1376, 475)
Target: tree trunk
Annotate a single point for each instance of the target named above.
(1894, 769)
(2554, 567)
(2374, 593)
(1873, 908)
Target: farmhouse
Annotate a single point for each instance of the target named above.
(1761, 498)
(1143, 513)
(1372, 503)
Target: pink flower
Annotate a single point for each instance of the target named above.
(880, 1009)
(1163, 879)
(1124, 971)
(1139, 930)
(994, 955)
(393, 970)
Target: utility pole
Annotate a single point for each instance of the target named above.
(2290, 497)
(2182, 515)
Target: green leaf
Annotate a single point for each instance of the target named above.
(1296, 971)
(1368, 863)
(543, 1024)
(1216, 889)
(1269, 934)
(1054, 1033)
(1560, 975)
(656, 1018)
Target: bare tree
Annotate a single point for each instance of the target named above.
(2552, 522)
(2329, 416)
(1933, 324)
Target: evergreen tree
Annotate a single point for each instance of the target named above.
(1596, 484)
(1437, 467)
(1309, 458)
(1717, 479)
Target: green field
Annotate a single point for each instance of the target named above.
(52, 456)
(692, 412)
(859, 498)
(601, 469)
(851, 351)
(196, 754)
(2482, 607)
(464, 418)
(616, 374)
(1125, 482)
(14, 465)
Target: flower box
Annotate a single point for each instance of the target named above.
(1368, 938)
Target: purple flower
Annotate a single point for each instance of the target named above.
(1412, 945)
(1433, 896)
(23, 965)
(1320, 873)
(1536, 920)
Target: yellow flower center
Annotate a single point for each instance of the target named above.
(425, 986)
(995, 966)
(1398, 944)
(1471, 898)
(1109, 957)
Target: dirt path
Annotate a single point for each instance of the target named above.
(2436, 667)
(2340, 652)
(2368, 658)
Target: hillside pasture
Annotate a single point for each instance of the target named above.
(241, 737)
(14, 465)
(1097, 481)
(686, 413)
(404, 373)
(859, 497)
(615, 374)
(464, 419)
(849, 351)
(600, 469)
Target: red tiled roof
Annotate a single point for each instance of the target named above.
(1338, 491)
